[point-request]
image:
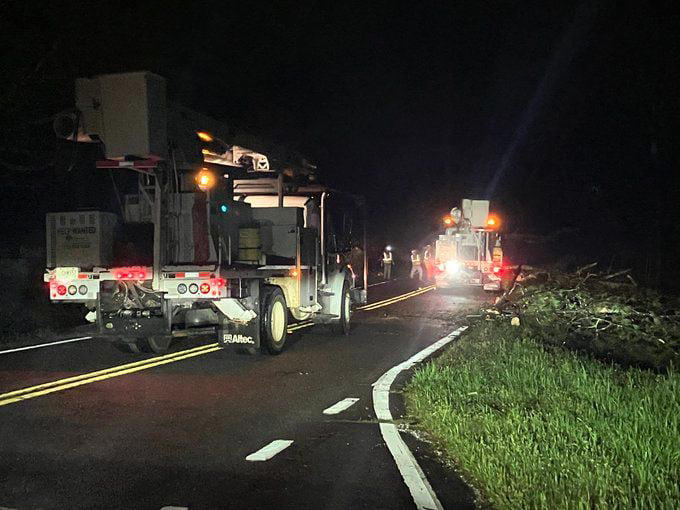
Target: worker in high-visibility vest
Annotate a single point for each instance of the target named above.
(387, 263)
(416, 266)
(428, 262)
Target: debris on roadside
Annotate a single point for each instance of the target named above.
(605, 314)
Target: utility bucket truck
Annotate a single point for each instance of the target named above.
(469, 253)
(214, 237)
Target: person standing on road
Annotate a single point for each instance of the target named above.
(416, 267)
(428, 262)
(387, 263)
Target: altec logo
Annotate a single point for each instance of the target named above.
(238, 339)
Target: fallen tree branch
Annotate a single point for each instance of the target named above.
(610, 276)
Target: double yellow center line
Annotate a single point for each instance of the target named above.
(396, 299)
(129, 368)
(100, 375)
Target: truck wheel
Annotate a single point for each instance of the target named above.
(127, 345)
(274, 321)
(343, 325)
(157, 344)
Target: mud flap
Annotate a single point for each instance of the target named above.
(238, 334)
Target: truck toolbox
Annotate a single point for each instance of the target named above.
(80, 239)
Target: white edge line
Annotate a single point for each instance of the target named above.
(68, 340)
(267, 452)
(341, 406)
(414, 477)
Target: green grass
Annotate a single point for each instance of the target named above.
(537, 428)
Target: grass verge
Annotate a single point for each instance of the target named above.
(537, 427)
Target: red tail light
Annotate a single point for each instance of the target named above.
(496, 269)
(61, 290)
(205, 288)
(130, 273)
(219, 282)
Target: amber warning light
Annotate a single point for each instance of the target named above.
(448, 221)
(205, 180)
(204, 136)
(492, 222)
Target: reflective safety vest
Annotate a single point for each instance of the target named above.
(387, 257)
(428, 254)
(415, 259)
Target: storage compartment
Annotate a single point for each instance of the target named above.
(80, 239)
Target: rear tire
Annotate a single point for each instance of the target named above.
(274, 321)
(343, 325)
(156, 344)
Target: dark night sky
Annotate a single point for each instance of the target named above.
(564, 113)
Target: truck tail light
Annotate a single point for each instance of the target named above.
(82, 290)
(130, 273)
(205, 288)
(496, 269)
(61, 290)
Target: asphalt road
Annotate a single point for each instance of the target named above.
(178, 434)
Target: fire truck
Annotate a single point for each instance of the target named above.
(469, 252)
(220, 234)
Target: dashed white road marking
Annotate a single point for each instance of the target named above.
(267, 452)
(175, 508)
(416, 481)
(37, 346)
(341, 406)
